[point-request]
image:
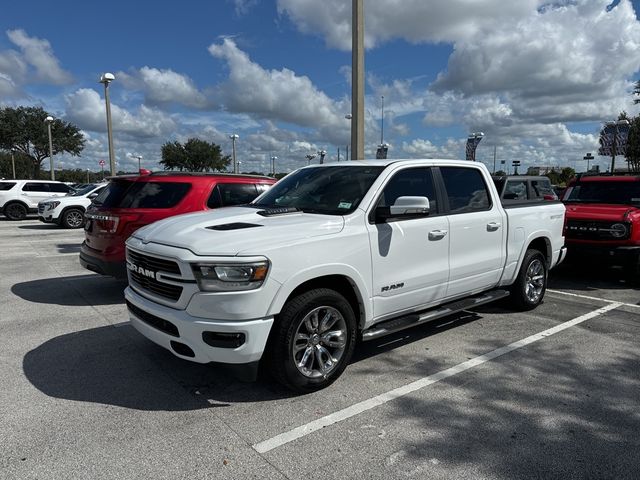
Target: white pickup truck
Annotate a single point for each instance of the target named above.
(333, 254)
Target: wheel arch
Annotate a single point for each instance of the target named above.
(350, 285)
(12, 201)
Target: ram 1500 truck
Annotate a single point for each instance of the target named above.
(333, 254)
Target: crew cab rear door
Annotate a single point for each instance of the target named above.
(410, 256)
(477, 225)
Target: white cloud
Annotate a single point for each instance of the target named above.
(85, 108)
(39, 54)
(164, 87)
(243, 6)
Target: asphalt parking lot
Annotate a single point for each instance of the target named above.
(553, 393)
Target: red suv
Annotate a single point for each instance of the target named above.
(131, 202)
(603, 220)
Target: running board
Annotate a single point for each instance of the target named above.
(396, 324)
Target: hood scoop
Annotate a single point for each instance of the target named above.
(271, 212)
(233, 226)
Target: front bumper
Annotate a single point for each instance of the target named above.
(615, 255)
(176, 329)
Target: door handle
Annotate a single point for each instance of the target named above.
(437, 234)
(493, 226)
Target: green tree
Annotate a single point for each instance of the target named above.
(194, 156)
(633, 145)
(24, 129)
(23, 166)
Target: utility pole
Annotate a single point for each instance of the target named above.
(494, 159)
(357, 80)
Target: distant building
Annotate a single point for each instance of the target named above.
(539, 170)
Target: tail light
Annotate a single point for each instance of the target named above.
(110, 223)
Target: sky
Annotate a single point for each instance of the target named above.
(538, 78)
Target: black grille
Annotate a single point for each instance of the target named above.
(40, 208)
(589, 230)
(144, 275)
(156, 322)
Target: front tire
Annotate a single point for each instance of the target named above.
(312, 340)
(73, 218)
(528, 290)
(15, 211)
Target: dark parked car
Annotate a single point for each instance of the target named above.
(518, 189)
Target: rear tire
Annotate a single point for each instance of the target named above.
(15, 211)
(528, 290)
(72, 218)
(312, 340)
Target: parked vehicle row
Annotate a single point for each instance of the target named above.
(21, 197)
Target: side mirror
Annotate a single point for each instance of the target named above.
(92, 196)
(404, 207)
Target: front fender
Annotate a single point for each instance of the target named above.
(303, 276)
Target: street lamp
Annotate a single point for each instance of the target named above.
(322, 153)
(13, 161)
(309, 157)
(273, 164)
(588, 157)
(49, 121)
(139, 157)
(472, 143)
(233, 138)
(106, 79)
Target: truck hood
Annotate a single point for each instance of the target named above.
(237, 230)
(611, 212)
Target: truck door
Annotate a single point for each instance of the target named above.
(410, 256)
(477, 231)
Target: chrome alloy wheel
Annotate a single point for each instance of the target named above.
(319, 342)
(534, 281)
(75, 219)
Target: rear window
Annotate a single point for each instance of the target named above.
(127, 194)
(6, 186)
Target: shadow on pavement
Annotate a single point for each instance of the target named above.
(78, 290)
(116, 366)
(41, 226)
(589, 276)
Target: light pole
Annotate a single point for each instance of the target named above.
(49, 121)
(588, 157)
(273, 164)
(139, 157)
(13, 161)
(472, 143)
(233, 138)
(357, 79)
(322, 153)
(106, 79)
(309, 157)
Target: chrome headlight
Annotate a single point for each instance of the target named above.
(50, 205)
(230, 277)
(618, 230)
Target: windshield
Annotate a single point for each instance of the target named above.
(625, 193)
(83, 191)
(325, 190)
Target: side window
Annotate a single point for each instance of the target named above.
(542, 187)
(59, 188)
(466, 189)
(413, 182)
(214, 200)
(35, 187)
(237, 193)
(515, 190)
(6, 186)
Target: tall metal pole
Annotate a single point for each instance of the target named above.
(382, 121)
(49, 120)
(13, 162)
(357, 80)
(613, 150)
(233, 151)
(106, 79)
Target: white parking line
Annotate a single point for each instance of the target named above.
(339, 416)
(587, 297)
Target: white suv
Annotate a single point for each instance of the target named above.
(19, 197)
(68, 211)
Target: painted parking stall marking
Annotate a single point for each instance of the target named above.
(346, 413)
